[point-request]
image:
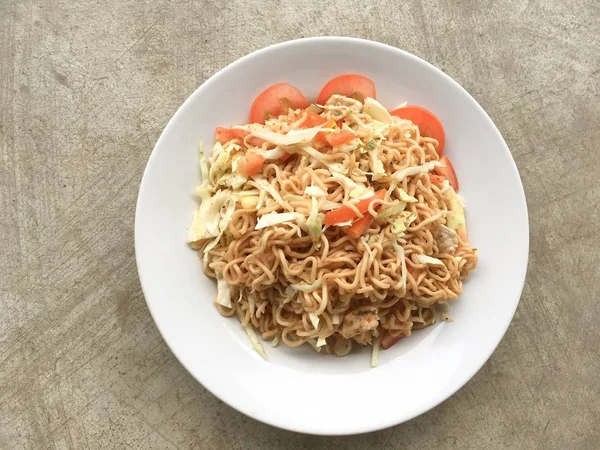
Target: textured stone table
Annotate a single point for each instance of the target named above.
(86, 88)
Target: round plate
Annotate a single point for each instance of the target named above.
(297, 388)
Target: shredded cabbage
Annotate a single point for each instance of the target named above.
(318, 156)
(233, 180)
(414, 170)
(251, 334)
(223, 292)
(366, 193)
(356, 190)
(275, 153)
(274, 218)
(314, 222)
(444, 314)
(400, 225)
(306, 287)
(328, 205)
(222, 163)
(204, 164)
(424, 259)
(227, 213)
(292, 138)
(314, 319)
(456, 218)
(335, 319)
(405, 197)
(315, 191)
(208, 218)
(445, 186)
(376, 165)
(321, 342)
(313, 343)
(249, 201)
(347, 223)
(375, 354)
(377, 111)
(212, 244)
(264, 185)
(261, 199)
(399, 207)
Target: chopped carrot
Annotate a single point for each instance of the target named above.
(340, 137)
(313, 120)
(320, 140)
(346, 213)
(251, 164)
(359, 226)
(330, 124)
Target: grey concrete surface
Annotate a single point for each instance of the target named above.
(87, 87)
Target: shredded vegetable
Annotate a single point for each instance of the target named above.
(333, 223)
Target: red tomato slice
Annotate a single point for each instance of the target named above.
(448, 172)
(428, 123)
(276, 100)
(350, 85)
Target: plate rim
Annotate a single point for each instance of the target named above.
(426, 406)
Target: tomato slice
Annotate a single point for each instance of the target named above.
(350, 85)
(429, 125)
(276, 100)
(447, 171)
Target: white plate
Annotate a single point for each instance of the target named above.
(298, 389)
